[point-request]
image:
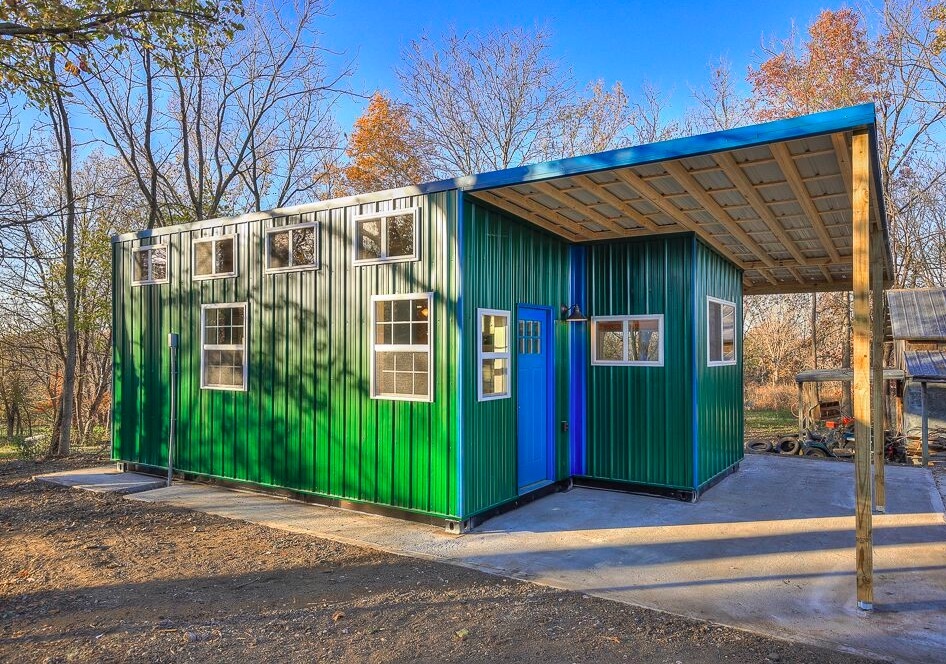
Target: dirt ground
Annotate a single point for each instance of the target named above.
(91, 578)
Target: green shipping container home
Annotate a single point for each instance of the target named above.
(450, 349)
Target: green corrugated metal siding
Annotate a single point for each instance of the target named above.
(639, 419)
(719, 389)
(506, 263)
(306, 421)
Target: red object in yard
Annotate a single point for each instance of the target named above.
(831, 424)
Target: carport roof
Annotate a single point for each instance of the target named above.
(774, 198)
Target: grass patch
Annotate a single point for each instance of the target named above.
(767, 423)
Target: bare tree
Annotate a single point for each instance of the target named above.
(222, 126)
(720, 105)
(485, 101)
(596, 122)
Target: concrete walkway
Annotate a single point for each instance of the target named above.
(771, 549)
(104, 479)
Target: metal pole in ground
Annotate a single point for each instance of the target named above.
(173, 341)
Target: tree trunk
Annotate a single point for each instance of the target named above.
(814, 338)
(63, 132)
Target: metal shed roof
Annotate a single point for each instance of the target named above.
(925, 364)
(774, 198)
(918, 314)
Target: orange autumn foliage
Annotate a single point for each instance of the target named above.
(382, 150)
(837, 66)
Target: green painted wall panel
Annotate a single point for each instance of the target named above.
(306, 420)
(639, 419)
(719, 388)
(506, 263)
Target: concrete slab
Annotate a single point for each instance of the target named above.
(770, 549)
(105, 479)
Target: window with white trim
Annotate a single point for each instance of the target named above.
(215, 257)
(223, 361)
(493, 354)
(149, 265)
(720, 332)
(628, 340)
(400, 348)
(290, 248)
(386, 236)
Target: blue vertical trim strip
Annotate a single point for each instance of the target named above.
(461, 379)
(578, 342)
(698, 307)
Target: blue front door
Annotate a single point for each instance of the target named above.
(534, 382)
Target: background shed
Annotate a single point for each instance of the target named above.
(918, 326)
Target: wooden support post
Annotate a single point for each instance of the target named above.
(878, 424)
(860, 161)
(925, 425)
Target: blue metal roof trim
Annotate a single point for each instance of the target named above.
(925, 364)
(863, 116)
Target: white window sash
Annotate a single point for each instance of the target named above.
(149, 264)
(384, 256)
(722, 362)
(214, 240)
(482, 355)
(244, 347)
(625, 339)
(404, 348)
(314, 265)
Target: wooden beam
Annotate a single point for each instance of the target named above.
(877, 368)
(843, 153)
(620, 204)
(864, 562)
(562, 196)
(536, 208)
(692, 186)
(738, 177)
(794, 179)
(649, 193)
(530, 216)
(785, 287)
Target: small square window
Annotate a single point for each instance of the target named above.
(215, 257)
(290, 248)
(627, 340)
(149, 265)
(494, 354)
(720, 332)
(386, 236)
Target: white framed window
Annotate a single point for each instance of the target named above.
(292, 248)
(215, 257)
(223, 361)
(149, 265)
(401, 367)
(386, 237)
(720, 332)
(628, 340)
(493, 354)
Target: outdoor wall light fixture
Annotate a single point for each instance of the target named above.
(573, 314)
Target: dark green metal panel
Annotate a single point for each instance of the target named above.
(639, 419)
(719, 388)
(306, 421)
(507, 263)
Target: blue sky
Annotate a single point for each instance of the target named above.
(670, 44)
